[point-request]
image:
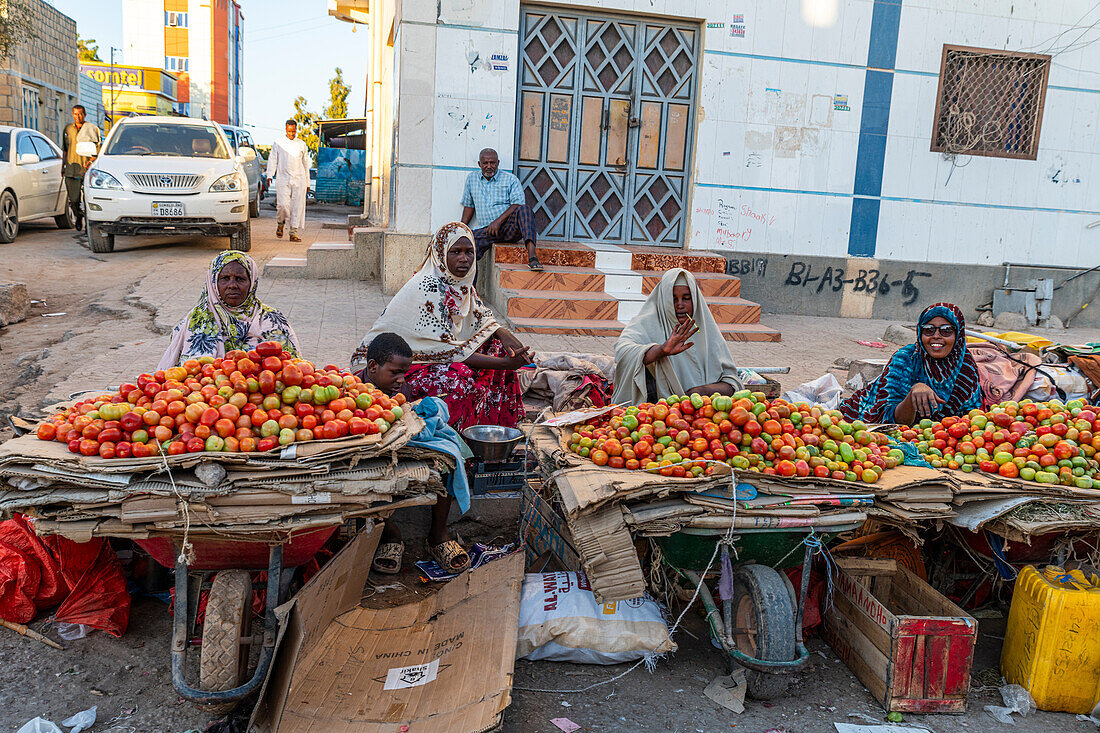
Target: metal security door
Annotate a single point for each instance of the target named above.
(606, 110)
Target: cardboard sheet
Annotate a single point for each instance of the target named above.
(443, 664)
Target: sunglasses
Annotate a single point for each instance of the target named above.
(945, 330)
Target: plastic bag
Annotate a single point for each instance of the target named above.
(560, 620)
(824, 391)
(83, 720)
(72, 632)
(1049, 378)
(1017, 700)
(99, 597)
(39, 725)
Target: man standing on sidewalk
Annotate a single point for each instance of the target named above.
(497, 198)
(288, 164)
(77, 131)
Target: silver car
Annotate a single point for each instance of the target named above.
(253, 169)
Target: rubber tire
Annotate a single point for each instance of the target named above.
(768, 601)
(254, 207)
(99, 241)
(223, 662)
(8, 198)
(242, 240)
(66, 220)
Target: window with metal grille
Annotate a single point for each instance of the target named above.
(990, 102)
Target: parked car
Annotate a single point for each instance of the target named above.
(168, 175)
(31, 183)
(241, 138)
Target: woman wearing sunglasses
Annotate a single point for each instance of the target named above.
(932, 378)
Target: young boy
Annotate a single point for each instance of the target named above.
(388, 359)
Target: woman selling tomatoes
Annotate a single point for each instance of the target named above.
(673, 346)
(932, 378)
(228, 315)
(460, 353)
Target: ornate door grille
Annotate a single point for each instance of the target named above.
(606, 112)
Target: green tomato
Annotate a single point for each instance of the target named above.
(139, 436)
(397, 412)
(215, 443)
(291, 395)
(286, 436)
(306, 395)
(363, 401)
(269, 428)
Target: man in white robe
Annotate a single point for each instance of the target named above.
(288, 164)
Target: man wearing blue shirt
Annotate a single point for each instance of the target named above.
(497, 198)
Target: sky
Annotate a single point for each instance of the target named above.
(290, 48)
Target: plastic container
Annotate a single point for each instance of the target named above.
(1052, 643)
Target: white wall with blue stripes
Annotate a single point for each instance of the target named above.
(814, 126)
(816, 129)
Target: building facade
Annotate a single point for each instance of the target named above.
(865, 130)
(39, 84)
(201, 42)
(133, 90)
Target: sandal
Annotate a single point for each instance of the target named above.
(534, 264)
(387, 558)
(279, 231)
(447, 553)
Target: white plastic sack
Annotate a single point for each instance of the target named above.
(824, 391)
(1070, 379)
(560, 620)
(82, 721)
(39, 725)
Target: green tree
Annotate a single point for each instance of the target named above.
(17, 24)
(338, 91)
(307, 125)
(88, 48)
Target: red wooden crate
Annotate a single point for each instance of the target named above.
(910, 646)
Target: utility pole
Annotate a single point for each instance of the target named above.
(114, 91)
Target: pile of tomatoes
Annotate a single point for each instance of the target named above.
(244, 402)
(1047, 442)
(687, 436)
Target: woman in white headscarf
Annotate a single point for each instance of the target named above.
(460, 353)
(673, 346)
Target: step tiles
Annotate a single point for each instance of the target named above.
(622, 280)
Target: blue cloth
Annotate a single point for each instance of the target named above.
(437, 435)
(912, 455)
(491, 198)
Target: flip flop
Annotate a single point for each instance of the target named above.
(446, 553)
(534, 264)
(387, 558)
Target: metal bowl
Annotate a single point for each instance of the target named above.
(492, 443)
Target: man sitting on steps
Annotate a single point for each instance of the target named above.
(497, 198)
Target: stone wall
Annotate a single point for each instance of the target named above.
(48, 64)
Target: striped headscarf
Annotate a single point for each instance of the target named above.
(954, 378)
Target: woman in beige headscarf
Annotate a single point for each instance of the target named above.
(460, 353)
(673, 346)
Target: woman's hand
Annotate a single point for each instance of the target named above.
(511, 343)
(678, 342)
(520, 357)
(923, 399)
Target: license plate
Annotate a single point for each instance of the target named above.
(167, 208)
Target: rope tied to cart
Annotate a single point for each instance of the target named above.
(187, 550)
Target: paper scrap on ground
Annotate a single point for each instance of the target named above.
(873, 344)
(565, 725)
(728, 691)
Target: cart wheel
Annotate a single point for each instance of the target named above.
(763, 621)
(226, 635)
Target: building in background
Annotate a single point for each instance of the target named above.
(201, 41)
(91, 96)
(133, 90)
(39, 84)
(851, 157)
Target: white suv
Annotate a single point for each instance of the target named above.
(167, 175)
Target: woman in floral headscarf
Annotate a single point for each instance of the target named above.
(228, 315)
(932, 378)
(460, 352)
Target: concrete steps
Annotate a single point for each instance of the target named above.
(332, 260)
(595, 289)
